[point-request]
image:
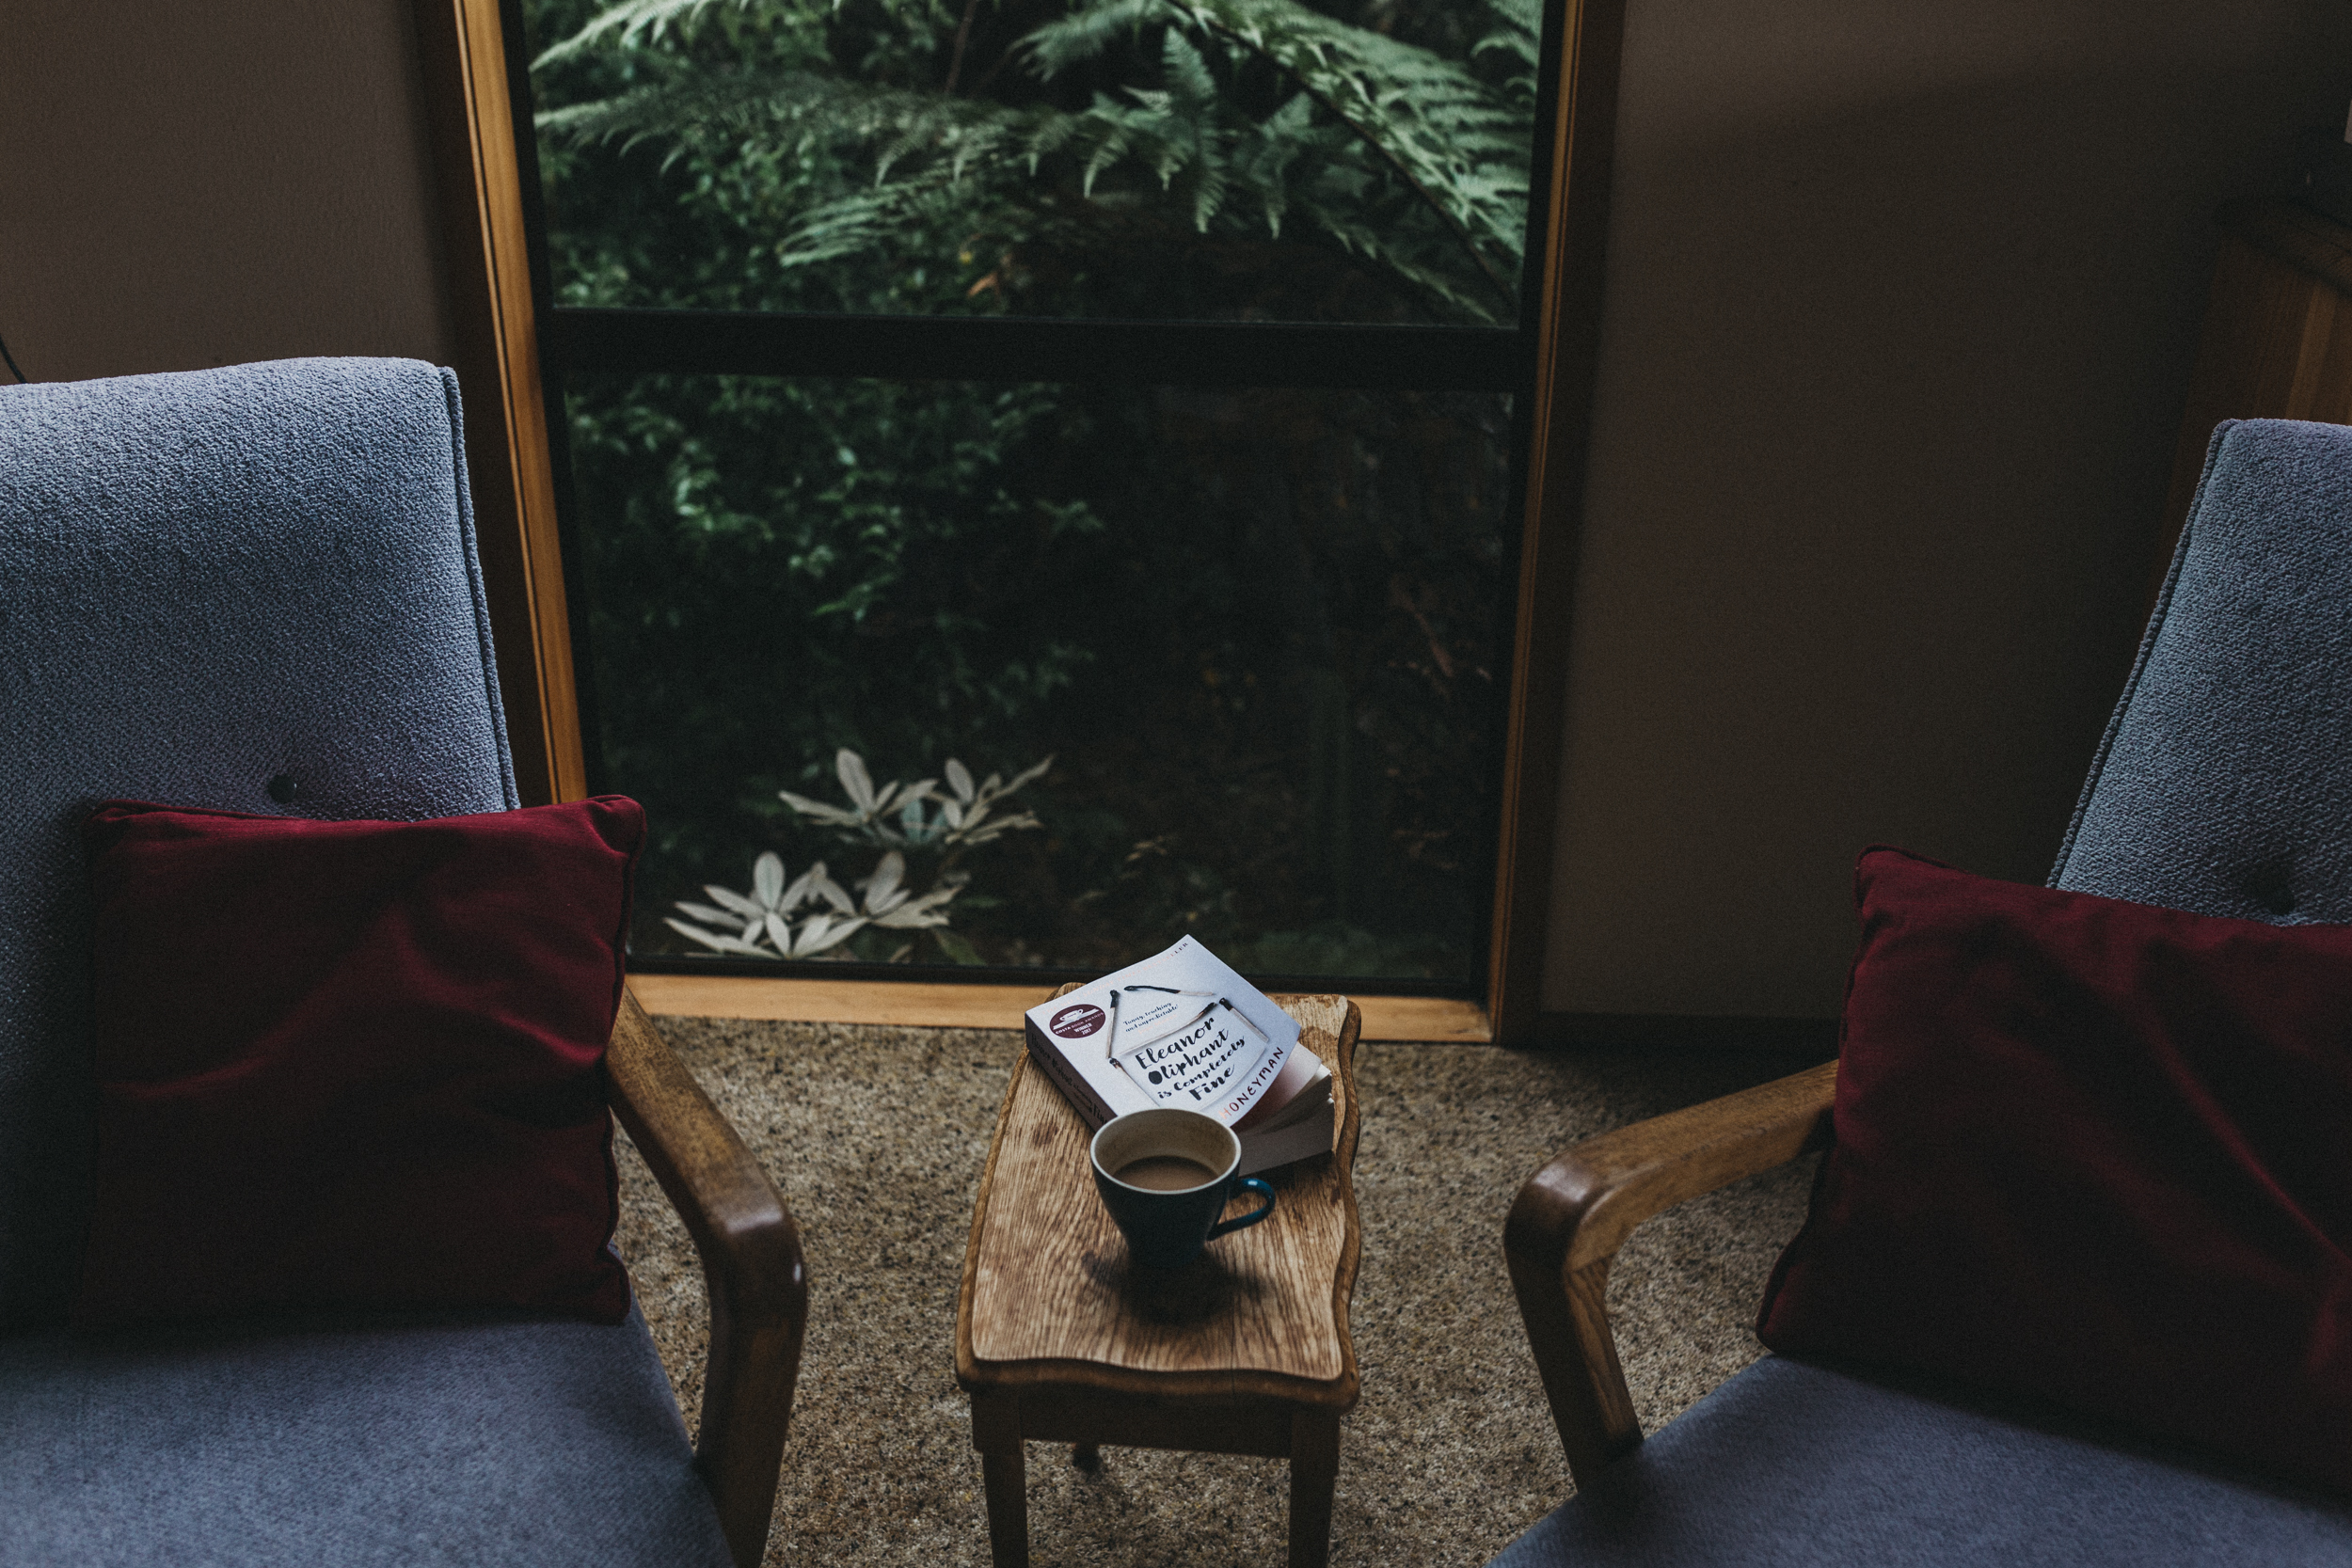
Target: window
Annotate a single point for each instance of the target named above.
(1123, 401)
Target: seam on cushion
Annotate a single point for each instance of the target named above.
(2146, 647)
(480, 594)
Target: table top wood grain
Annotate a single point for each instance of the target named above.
(1049, 1301)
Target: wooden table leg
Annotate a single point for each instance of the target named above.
(1315, 1476)
(1007, 1479)
(1004, 1478)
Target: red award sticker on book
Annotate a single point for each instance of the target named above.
(1076, 1023)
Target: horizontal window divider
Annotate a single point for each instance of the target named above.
(597, 340)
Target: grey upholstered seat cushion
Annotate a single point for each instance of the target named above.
(2224, 782)
(472, 1443)
(1793, 1464)
(209, 580)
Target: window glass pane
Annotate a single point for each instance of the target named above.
(1260, 634)
(1341, 161)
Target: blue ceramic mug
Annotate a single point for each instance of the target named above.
(1165, 1175)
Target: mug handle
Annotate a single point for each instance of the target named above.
(1249, 1184)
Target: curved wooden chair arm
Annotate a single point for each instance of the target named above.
(1571, 1217)
(751, 1266)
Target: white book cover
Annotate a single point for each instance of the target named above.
(1179, 1028)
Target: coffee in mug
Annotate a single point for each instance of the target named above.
(1166, 1174)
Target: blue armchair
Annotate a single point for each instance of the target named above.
(2223, 787)
(256, 589)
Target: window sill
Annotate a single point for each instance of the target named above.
(954, 1006)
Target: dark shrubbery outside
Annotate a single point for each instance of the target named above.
(1261, 632)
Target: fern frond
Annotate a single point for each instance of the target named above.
(1520, 35)
(1187, 74)
(1411, 163)
(632, 21)
(1457, 142)
(681, 103)
(1085, 34)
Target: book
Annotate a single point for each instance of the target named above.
(1182, 1028)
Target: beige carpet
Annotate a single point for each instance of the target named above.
(878, 1137)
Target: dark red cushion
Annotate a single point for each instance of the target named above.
(355, 1064)
(2094, 1152)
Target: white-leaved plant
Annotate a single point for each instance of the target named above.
(767, 922)
(760, 924)
(899, 815)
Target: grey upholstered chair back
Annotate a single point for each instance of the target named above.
(211, 583)
(2224, 783)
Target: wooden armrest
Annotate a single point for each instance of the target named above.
(1571, 1217)
(751, 1256)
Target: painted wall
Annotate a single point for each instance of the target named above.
(191, 186)
(1902, 299)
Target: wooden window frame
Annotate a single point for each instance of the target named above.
(470, 82)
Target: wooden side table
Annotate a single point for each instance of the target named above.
(1245, 1351)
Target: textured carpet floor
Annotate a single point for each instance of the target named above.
(878, 1137)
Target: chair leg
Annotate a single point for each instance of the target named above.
(1004, 1482)
(1315, 1476)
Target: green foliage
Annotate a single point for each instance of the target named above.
(1259, 628)
(779, 568)
(1106, 158)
